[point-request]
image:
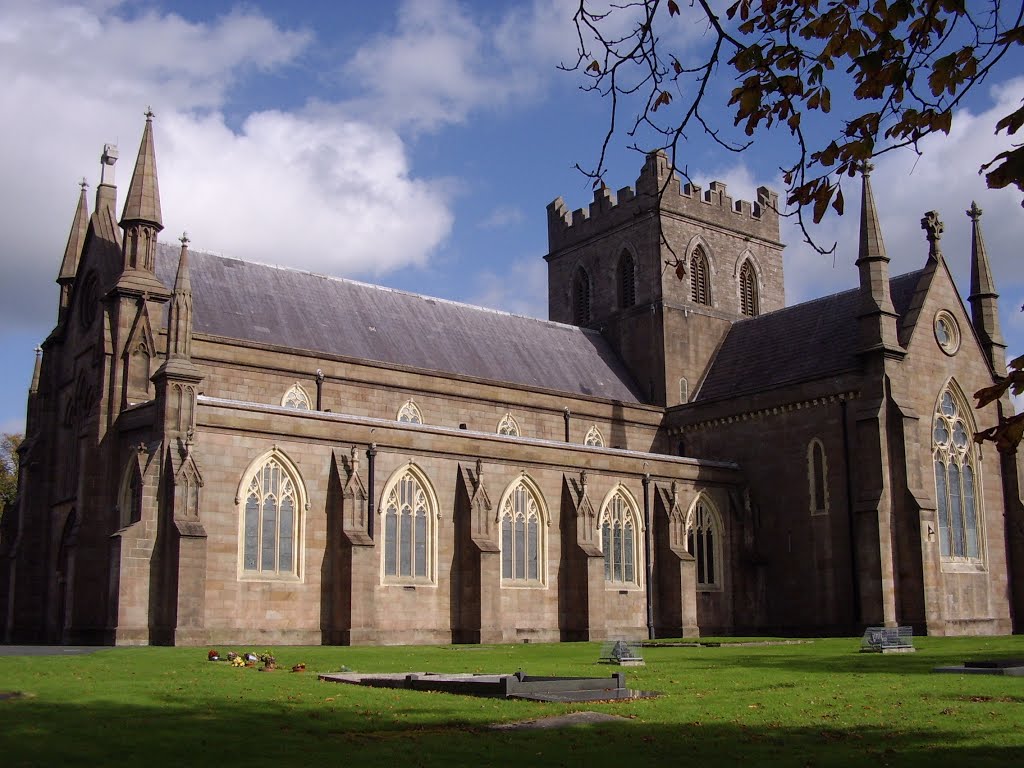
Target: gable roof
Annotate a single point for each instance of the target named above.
(807, 341)
(334, 316)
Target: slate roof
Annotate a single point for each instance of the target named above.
(332, 316)
(813, 340)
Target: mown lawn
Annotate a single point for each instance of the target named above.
(815, 704)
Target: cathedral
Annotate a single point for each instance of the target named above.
(223, 452)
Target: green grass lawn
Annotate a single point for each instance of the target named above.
(817, 704)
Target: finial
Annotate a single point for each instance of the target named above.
(184, 240)
(866, 167)
(479, 469)
(354, 458)
(933, 226)
(974, 211)
(38, 350)
(149, 114)
(583, 478)
(83, 184)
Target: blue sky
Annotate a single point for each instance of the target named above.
(415, 144)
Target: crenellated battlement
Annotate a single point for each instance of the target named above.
(712, 206)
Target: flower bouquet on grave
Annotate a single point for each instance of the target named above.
(213, 655)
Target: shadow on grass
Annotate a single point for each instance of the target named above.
(45, 733)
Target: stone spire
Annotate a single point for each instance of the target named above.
(984, 299)
(179, 322)
(877, 316)
(73, 250)
(33, 388)
(143, 201)
(141, 218)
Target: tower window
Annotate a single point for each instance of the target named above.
(627, 281)
(700, 278)
(748, 290)
(581, 297)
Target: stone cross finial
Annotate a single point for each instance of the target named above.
(974, 212)
(866, 167)
(149, 114)
(83, 184)
(184, 240)
(933, 227)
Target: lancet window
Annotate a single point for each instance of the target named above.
(956, 479)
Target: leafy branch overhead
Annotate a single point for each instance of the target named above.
(907, 63)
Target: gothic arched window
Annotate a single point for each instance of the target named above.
(700, 278)
(409, 413)
(271, 511)
(817, 477)
(621, 540)
(581, 297)
(594, 437)
(130, 504)
(409, 511)
(508, 426)
(522, 532)
(627, 281)
(748, 290)
(956, 478)
(296, 397)
(704, 542)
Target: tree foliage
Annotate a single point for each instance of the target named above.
(907, 64)
(8, 468)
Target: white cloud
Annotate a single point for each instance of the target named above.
(444, 60)
(316, 189)
(503, 216)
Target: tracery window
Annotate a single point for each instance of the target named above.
(703, 541)
(956, 474)
(594, 437)
(684, 391)
(409, 413)
(581, 297)
(522, 535)
(296, 397)
(508, 426)
(627, 280)
(817, 477)
(409, 513)
(620, 540)
(271, 518)
(748, 290)
(700, 278)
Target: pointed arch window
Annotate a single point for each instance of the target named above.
(297, 398)
(508, 426)
(748, 290)
(522, 535)
(581, 297)
(704, 542)
(620, 540)
(409, 511)
(409, 413)
(700, 278)
(271, 511)
(817, 477)
(684, 391)
(627, 280)
(594, 438)
(956, 479)
(130, 503)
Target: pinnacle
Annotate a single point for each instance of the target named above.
(143, 201)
